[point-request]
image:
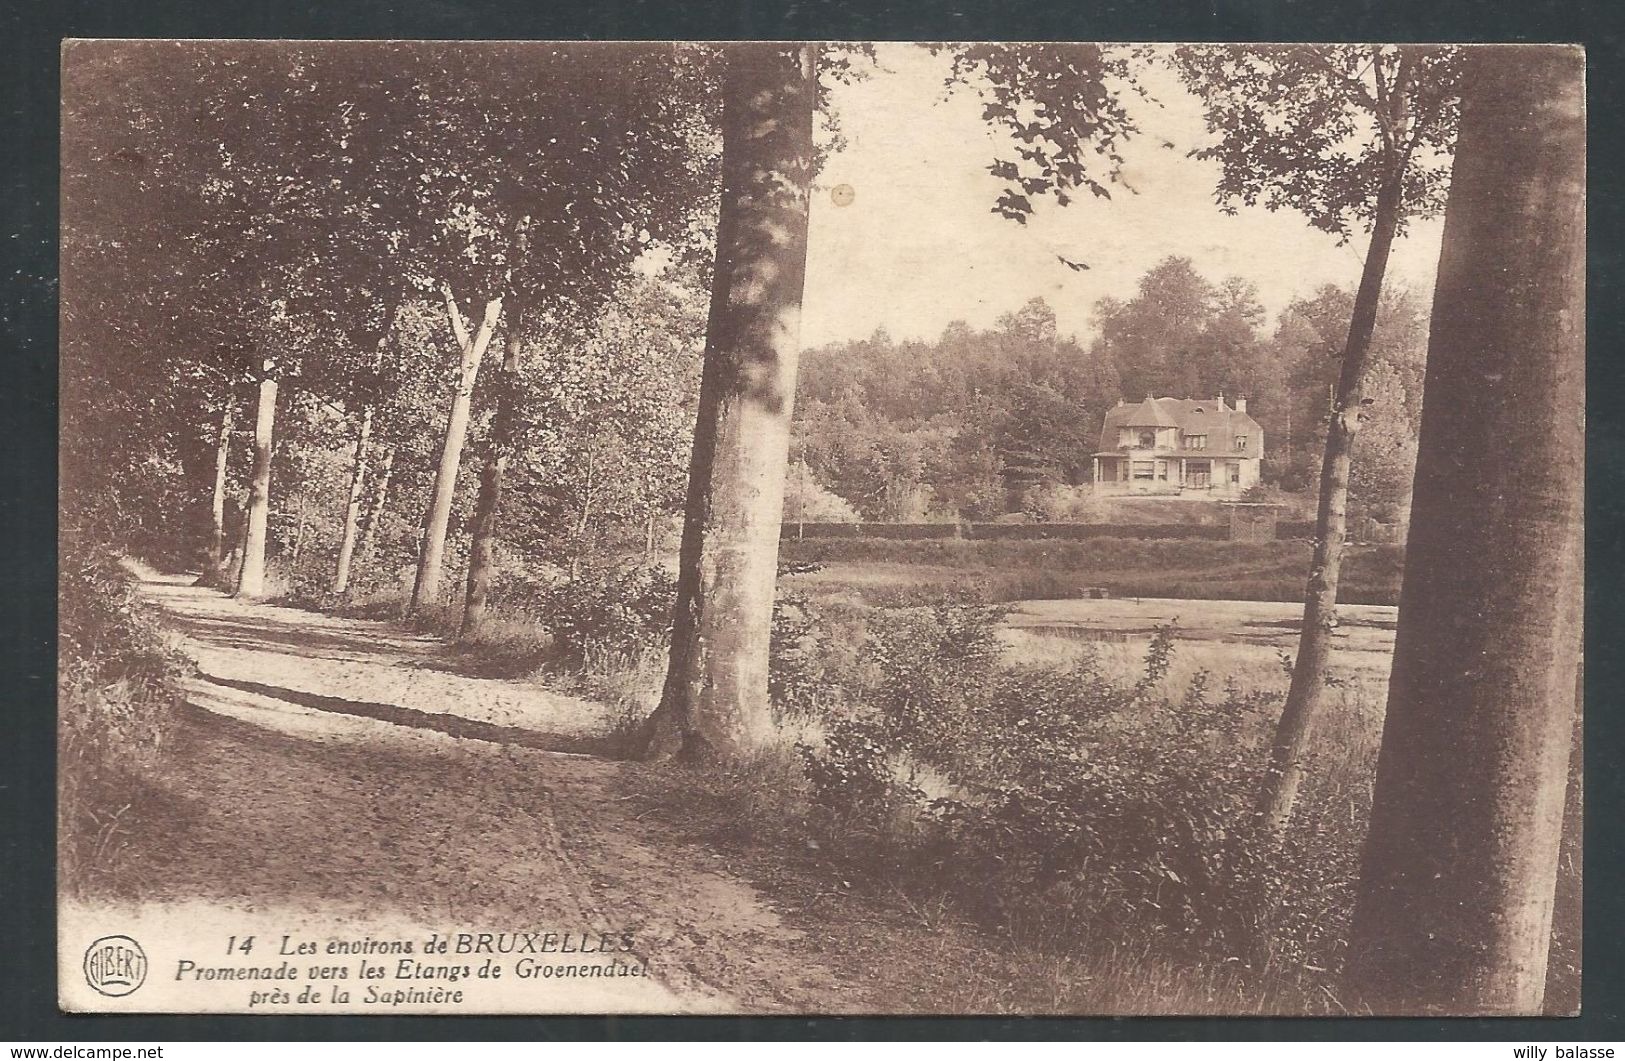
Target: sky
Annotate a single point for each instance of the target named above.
(917, 245)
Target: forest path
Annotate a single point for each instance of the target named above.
(339, 775)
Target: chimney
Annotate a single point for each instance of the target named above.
(1241, 405)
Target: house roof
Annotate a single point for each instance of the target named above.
(1149, 413)
(1193, 416)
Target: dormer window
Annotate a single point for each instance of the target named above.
(1241, 443)
(1196, 442)
(1148, 439)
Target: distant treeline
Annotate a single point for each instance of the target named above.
(977, 423)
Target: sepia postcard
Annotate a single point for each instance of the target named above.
(820, 528)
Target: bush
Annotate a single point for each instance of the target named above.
(1060, 503)
(816, 657)
(1132, 808)
(613, 611)
(1074, 803)
(852, 777)
(935, 664)
(115, 698)
(805, 498)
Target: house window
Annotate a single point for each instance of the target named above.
(1196, 442)
(1142, 469)
(1235, 470)
(1241, 443)
(1162, 470)
(1148, 439)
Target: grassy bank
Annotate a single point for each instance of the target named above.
(943, 792)
(116, 697)
(1019, 822)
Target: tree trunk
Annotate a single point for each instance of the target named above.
(352, 509)
(1454, 908)
(375, 510)
(499, 450)
(715, 701)
(300, 527)
(358, 475)
(1307, 691)
(482, 544)
(251, 580)
(586, 514)
(1564, 957)
(217, 506)
(426, 588)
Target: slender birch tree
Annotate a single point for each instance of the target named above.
(1348, 136)
(471, 351)
(217, 497)
(499, 446)
(251, 577)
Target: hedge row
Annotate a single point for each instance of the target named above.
(897, 531)
(1295, 528)
(1006, 531)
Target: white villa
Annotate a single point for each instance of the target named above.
(1179, 447)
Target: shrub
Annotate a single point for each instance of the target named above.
(852, 777)
(620, 611)
(1059, 503)
(815, 658)
(805, 498)
(935, 665)
(1134, 808)
(1075, 802)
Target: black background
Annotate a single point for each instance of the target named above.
(28, 316)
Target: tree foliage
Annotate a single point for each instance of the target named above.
(1064, 111)
(1318, 129)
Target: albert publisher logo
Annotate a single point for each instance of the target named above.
(115, 965)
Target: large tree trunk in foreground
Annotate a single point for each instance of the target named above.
(1564, 957)
(482, 542)
(715, 702)
(1454, 909)
(251, 580)
(1307, 691)
(426, 589)
(217, 504)
(352, 508)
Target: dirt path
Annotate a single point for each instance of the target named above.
(339, 777)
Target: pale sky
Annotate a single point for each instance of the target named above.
(918, 245)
